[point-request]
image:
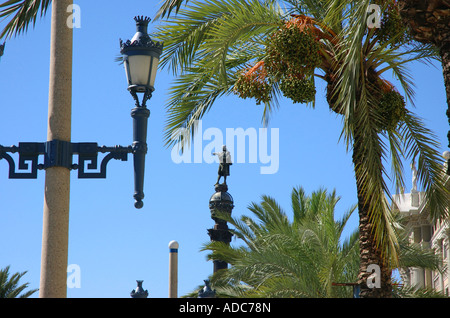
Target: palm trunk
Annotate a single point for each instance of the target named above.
(54, 258)
(369, 253)
(429, 22)
(445, 55)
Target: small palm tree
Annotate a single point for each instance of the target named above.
(9, 286)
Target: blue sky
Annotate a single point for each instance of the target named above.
(113, 243)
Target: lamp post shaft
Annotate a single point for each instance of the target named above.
(140, 117)
(53, 283)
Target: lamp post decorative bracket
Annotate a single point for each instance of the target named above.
(58, 153)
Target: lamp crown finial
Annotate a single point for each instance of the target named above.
(142, 20)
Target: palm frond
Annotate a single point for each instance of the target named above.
(191, 97)
(21, 14)
(9, 285)
(421, 145)
(184, 34)
(207, 45)
(167, 6)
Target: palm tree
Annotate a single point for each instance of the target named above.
(9, 287)
(297, 255)
(303, 254)
(429, 22)
(21, 14)
(244, 47)
(357, 97)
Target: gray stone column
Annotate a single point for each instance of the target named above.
(53, 283)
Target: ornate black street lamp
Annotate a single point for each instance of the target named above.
(141, 56)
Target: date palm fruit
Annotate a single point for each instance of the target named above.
(388, 111)
(391, 109)
(292, 54)
(292, 49)
(391, 26)
(298, 88)
(254, 83)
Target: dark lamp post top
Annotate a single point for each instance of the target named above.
(141, 40)
(207, 291)
(140, 58)
(139, 292)
(142, 23)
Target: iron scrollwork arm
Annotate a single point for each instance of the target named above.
(89, 152)
(60, 153)
(28, 159)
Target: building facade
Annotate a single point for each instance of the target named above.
(429, 234)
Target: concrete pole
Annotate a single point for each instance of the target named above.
(173, 269)
(53, 283)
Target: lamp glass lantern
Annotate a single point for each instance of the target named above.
(141, 59)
